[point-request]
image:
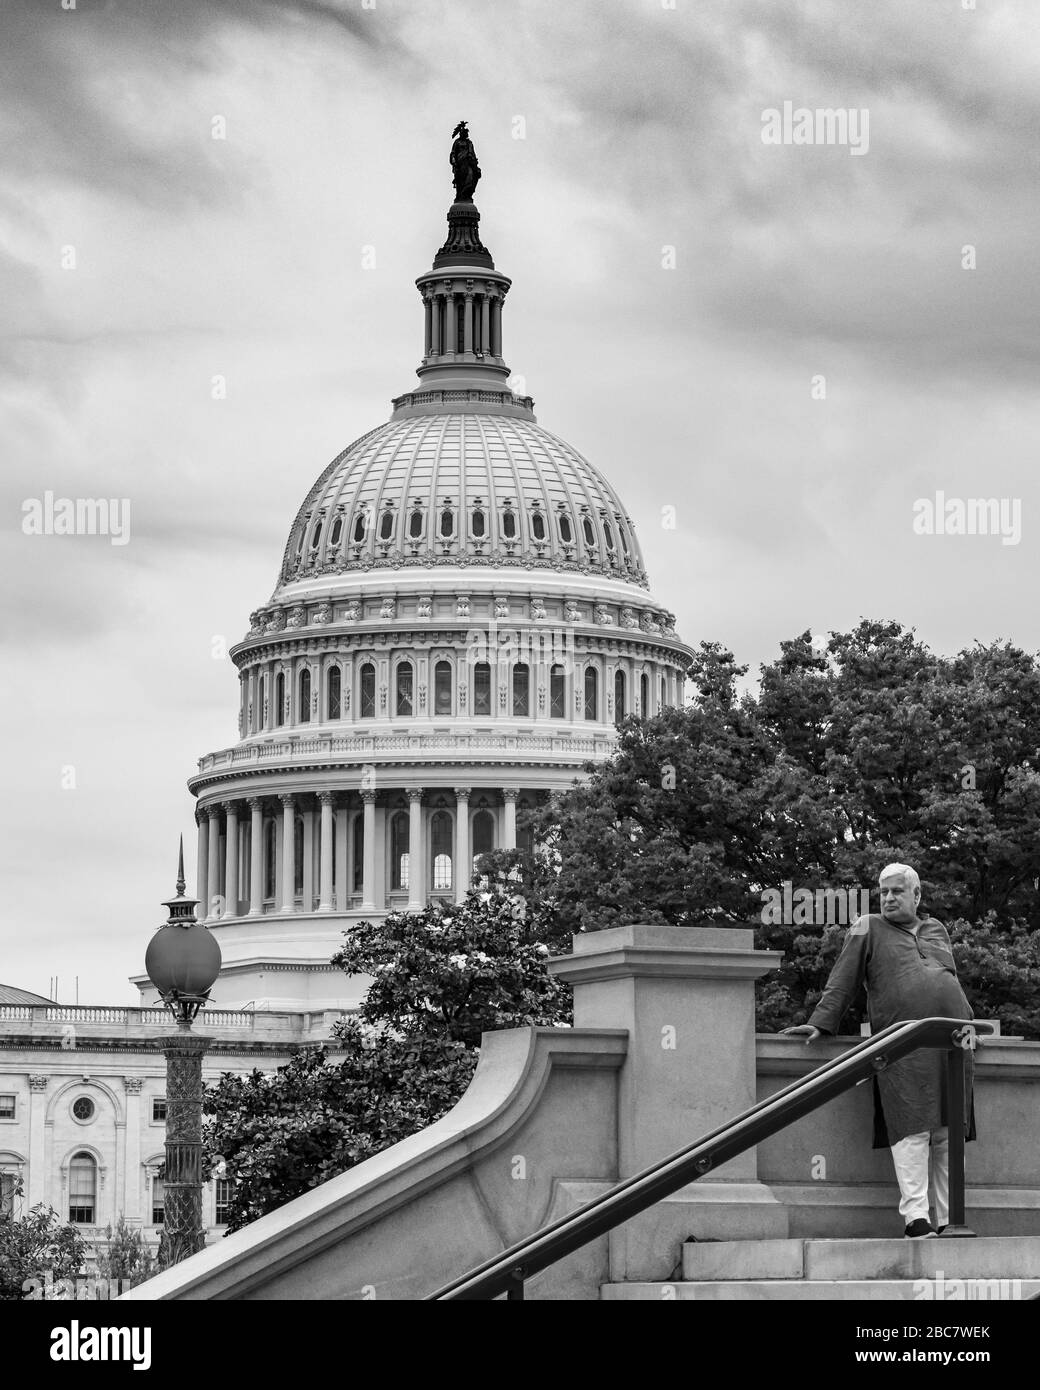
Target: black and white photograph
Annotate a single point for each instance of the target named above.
(521, 665)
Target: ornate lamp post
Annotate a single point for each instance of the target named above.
(182, 961)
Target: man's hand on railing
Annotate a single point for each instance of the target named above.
(803, 1028)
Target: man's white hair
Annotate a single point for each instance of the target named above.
(909, 874)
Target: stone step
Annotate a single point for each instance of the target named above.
(811, 1290)
(982, 1257)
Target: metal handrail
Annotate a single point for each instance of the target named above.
(507, 1272)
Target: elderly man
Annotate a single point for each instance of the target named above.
(907, 965)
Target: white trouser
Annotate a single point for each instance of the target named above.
(910, 1157)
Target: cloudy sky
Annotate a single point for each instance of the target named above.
(140, 258)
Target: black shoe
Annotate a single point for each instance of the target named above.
(940, 1229)
(918, 1230)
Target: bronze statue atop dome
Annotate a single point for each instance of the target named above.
(465, 169)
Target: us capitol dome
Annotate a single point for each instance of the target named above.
(461, 619)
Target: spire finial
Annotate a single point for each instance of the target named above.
(180, 870)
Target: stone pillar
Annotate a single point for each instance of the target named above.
(509, 795)
(416, 851)
(343, 885)
(451, 329)
(213, 865)
(467, 325)
(287, 896)
(496, 327)
(368, 875)
(308, 859)
(231, 860)
(463, 864)
(685, 996)
(131, 1200)
(202, 863)
(256, 856)
(37, 1156)
(485, 324)
(325, 853)
(428, 311)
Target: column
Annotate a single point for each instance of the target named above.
(463, 858)
(256, 856)
(368, 873)
(485, 324)
(416, 851)
(496, 327)
(428, 310)
(131, 1201)
(343, 885)
(467, 325)
(231, 860)
(451, 325)
(212, 900)
(288, 899)
(202, 863)
(308, 859)
(325, 852)
(509, 795)
(37, 1184)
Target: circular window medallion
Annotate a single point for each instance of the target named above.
(83, 1108)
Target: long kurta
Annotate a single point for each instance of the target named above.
(907, 976)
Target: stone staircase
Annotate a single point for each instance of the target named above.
(947, 1269)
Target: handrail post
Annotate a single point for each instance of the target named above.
(955, 1131)
(515, 1289)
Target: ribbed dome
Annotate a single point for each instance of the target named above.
(462, 489)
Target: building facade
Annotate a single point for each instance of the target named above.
(461, 619)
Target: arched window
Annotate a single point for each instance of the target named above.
(447, 523)
(333, 689)
(624, 539)
(442, 688)
(305, 696)
(261, 696)
(478, 524)
(440, 848)
(270, 857)
(483, 835)
(590, 535)
(619, 696)
(359, 528)
(538, 526)
(386, 526)
(591, 693)
(368, 691)
(405, 701)
(298, 856)
(521, 689)
(566, 534)
(400, 832)
(664, 700)
(337, 531)
(557, 693)
(317, 534)
(644, 695)
(482, 688)
(608, 532)
(415, 525)
(509, 524)
(279, 698)
(358, 851)
(460, 326)
(82, 1189)
(158, 1201)
(299, 540)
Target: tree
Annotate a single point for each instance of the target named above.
(440, 978)
(124, 1259)
(37, 1251)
